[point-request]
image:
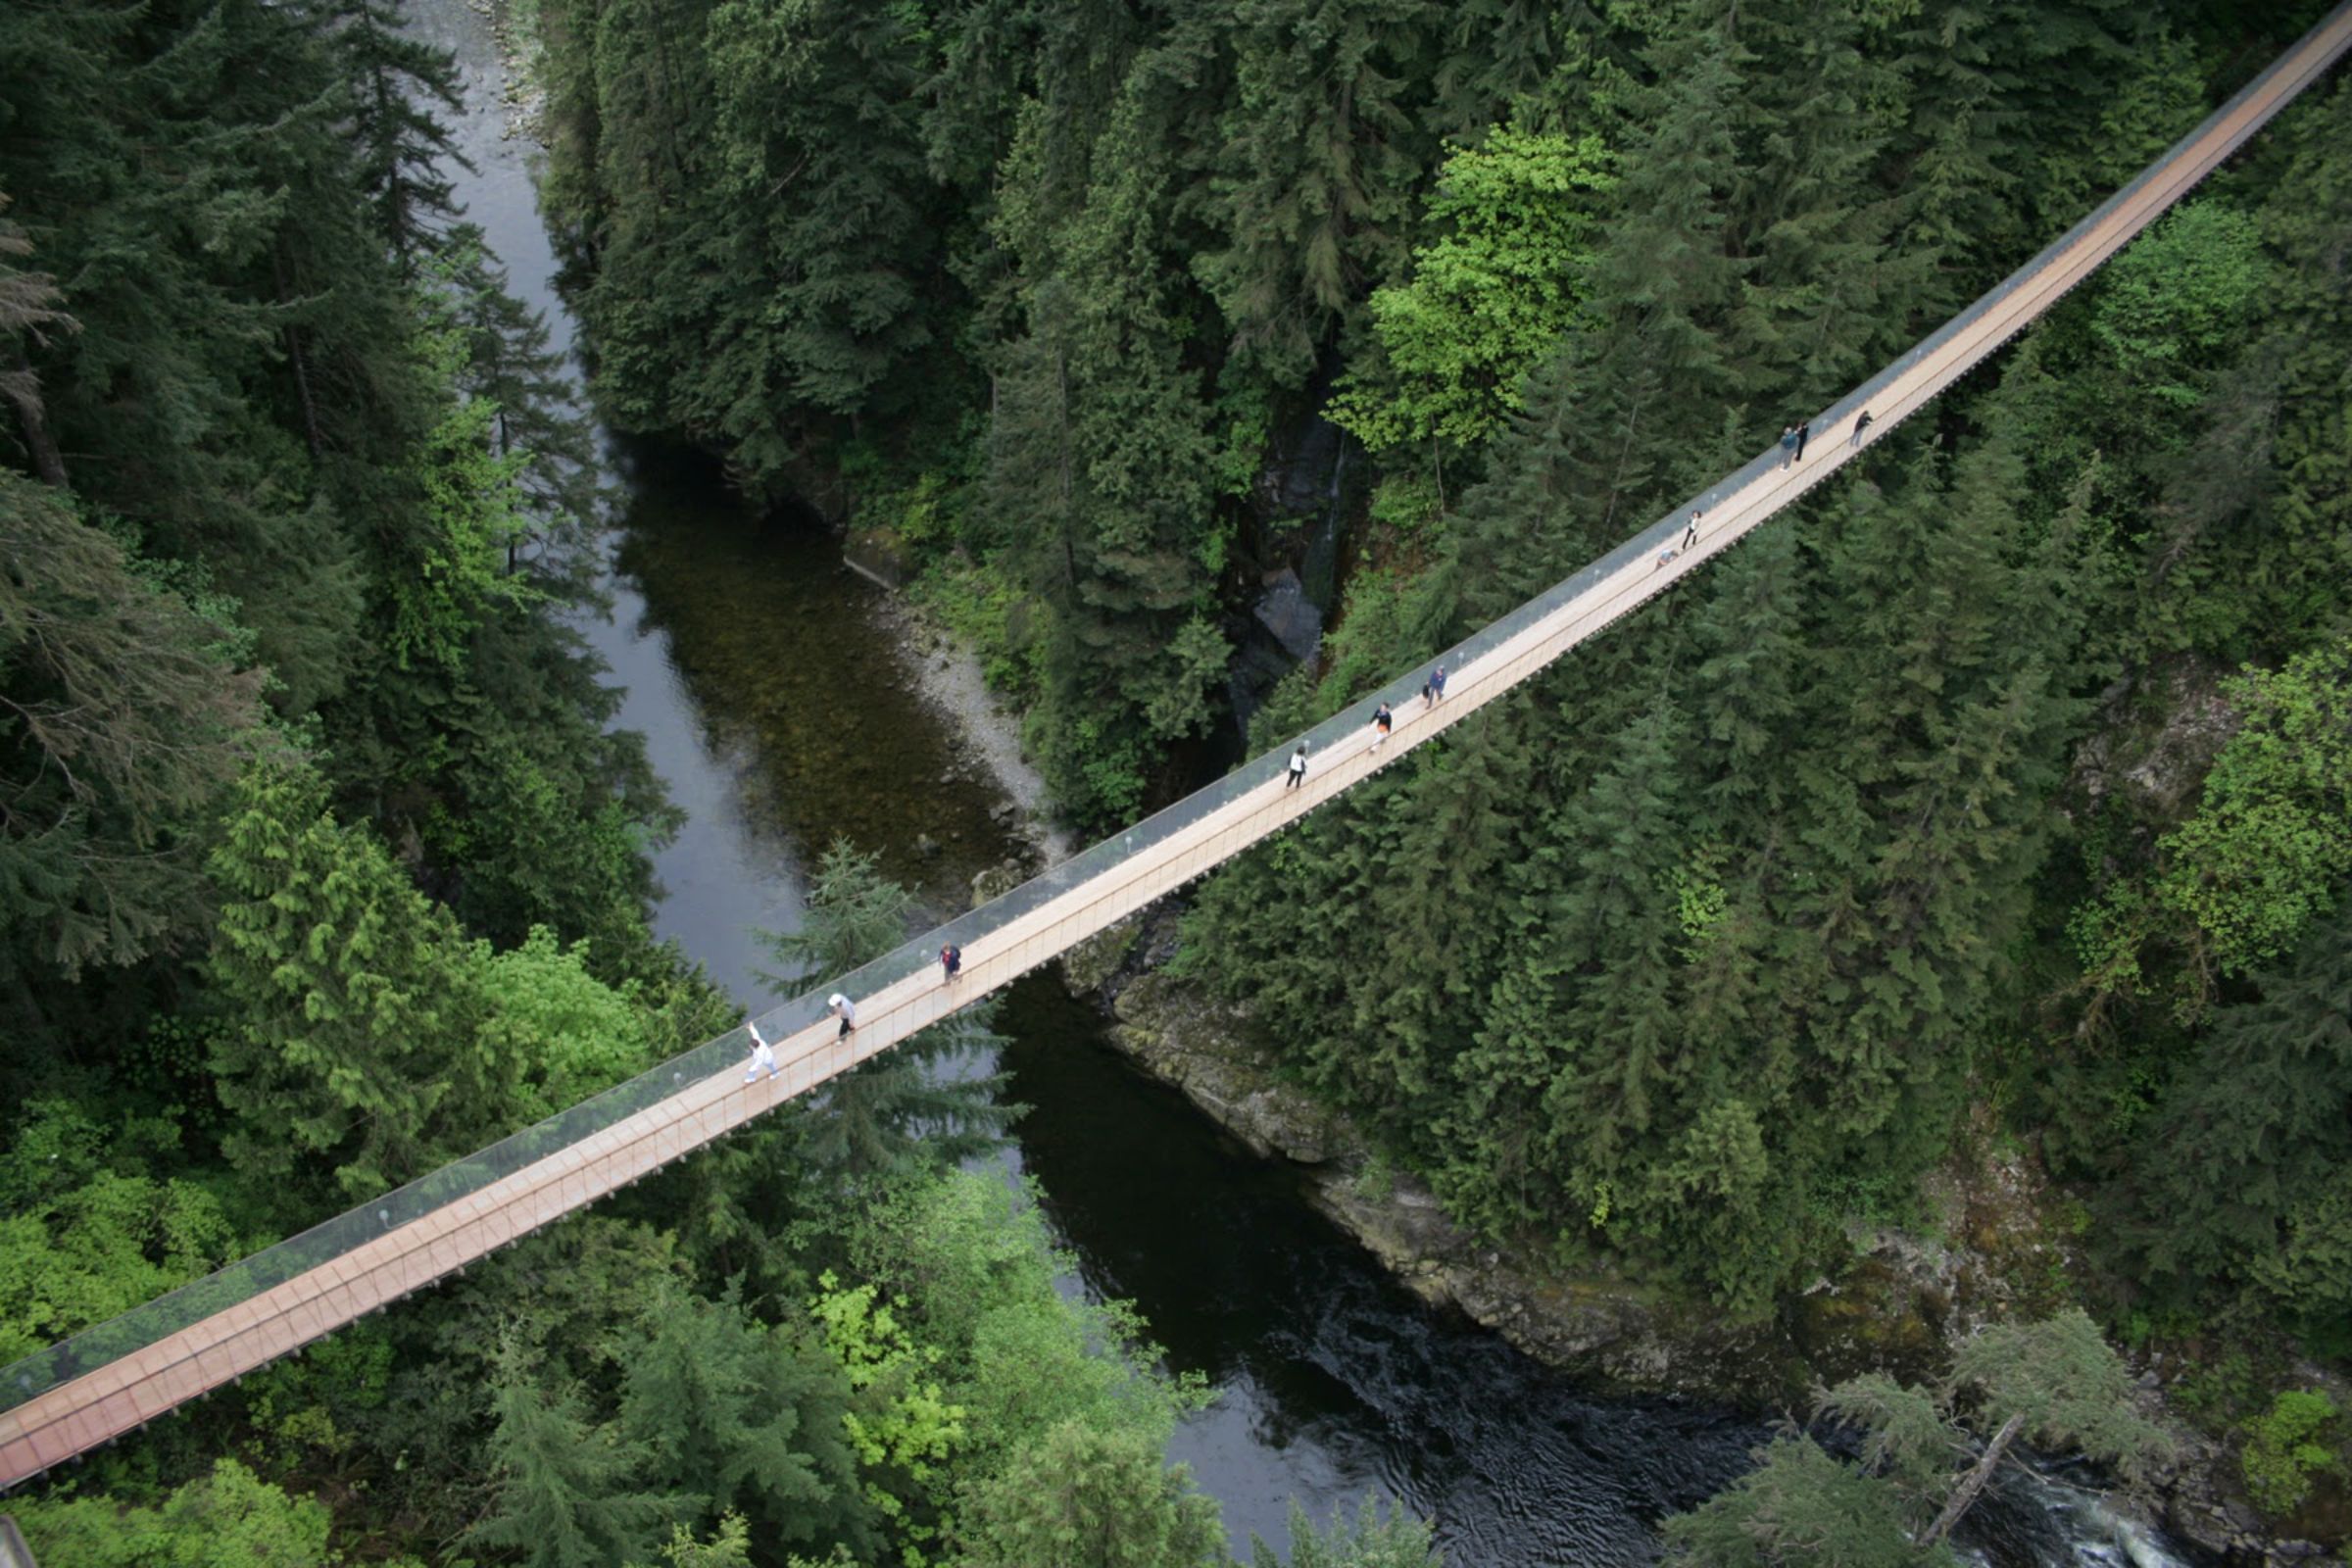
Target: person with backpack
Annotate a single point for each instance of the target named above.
(951, 962)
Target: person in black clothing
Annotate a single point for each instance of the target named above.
(1804, 431)
(950, 961)
(1861, 423)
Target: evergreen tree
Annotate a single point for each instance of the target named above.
(1312, 186)
(911, 1108)
(735, 1417)
(129, 710)
(565, 1488)
(402, 149)
(1368, 1541)
(29, 303)
(353, 1019)
(1087, 1498)
(2241, 1180)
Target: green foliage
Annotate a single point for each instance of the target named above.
(574, 1034)
(1368, 1541)
(88, 1232)
(1894, 1503)
(1089, 1499)
(2274, 829)
(729, 1546)
(2240, 1183)
(1490, 297)
(471, 522)
(723, 1413)
(901, 1426)
(2068, 1385)
(906, 1110)
(127, 715)
(2285, 1447)
(2179, 295)
(561, 1488)
(230, 1518)
(1801, 1505)
(353, 1022)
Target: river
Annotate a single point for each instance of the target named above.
(780, 711)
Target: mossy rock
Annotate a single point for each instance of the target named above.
(1089, 967)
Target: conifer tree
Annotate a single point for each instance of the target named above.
(566, 1489)
(353, 1030)
(2242, 1179)
(733, 1416)
(126, 712)
(398, 85)
(912, 1106)
(1311, 187)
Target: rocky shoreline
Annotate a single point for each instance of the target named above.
(1900, 1308)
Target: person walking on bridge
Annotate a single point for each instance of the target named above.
(1805, 433)
(1298, 768)
(762, 1056)
(951, 962)
(1691, 534)
(1788, 445)
(1861, 423)
(1381, 718)
(1432, 690)
(845, 1009)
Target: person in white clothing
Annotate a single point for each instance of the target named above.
(845, 1009)
(762, 1056)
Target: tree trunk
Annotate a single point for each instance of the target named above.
(1974, 1482)
(47, 461)
(299, 361)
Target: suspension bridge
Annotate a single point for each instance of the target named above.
(115, 1378)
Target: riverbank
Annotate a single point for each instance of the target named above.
(1994, 1242)
(946, 676)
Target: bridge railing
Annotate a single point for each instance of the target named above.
(190, 1305)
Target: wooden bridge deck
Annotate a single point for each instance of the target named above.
(59, 1423)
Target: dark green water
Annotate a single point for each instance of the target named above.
(783, 655)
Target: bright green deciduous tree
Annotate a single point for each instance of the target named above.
(230, 1518)
(88, 1230)
(1491, 297)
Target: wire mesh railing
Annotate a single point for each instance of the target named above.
(239, 1281)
